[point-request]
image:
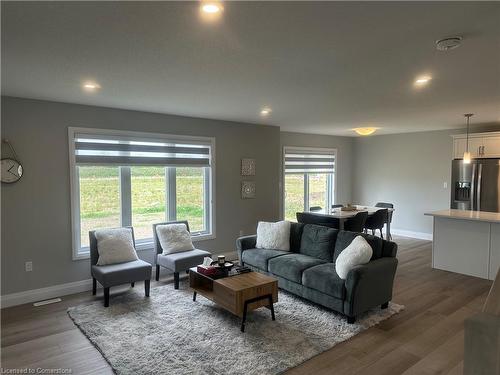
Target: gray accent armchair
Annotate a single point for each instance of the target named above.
(119, 273)
(176, 262)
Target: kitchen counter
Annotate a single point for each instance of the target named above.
(490, 217)
(466, 242)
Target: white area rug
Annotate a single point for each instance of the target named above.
(168, 333)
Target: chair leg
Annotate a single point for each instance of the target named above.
(106, 297)
(94, 286)
(381, 234)
(176, 280)
(157, 272)
(132, 284)
(147, 284)
(384, 305)
(351, 319)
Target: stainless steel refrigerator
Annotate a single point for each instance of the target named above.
(476, 186)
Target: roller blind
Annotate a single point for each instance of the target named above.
(98, 149)
(299, 160)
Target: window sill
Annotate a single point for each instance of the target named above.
(147, 245)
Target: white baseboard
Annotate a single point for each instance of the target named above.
(34, 295)
(411, 234)
(41, 294)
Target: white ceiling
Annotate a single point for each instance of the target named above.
(322, 67)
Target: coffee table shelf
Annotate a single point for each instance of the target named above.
(237, 294)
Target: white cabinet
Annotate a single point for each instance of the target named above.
(491, 147)
(481, 145)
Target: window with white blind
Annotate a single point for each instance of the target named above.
(309, 179)
(121, 178)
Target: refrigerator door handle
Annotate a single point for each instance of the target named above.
(479, 176)
(473, 187)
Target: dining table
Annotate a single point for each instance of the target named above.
(342, 215)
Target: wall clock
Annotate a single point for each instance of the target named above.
(12, 170)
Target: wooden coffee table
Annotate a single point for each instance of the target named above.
(237, 294)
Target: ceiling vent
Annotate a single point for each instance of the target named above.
(448, 43)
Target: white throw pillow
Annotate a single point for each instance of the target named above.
(115, 246)
(174, 238)
(358, 252)
(273, 235)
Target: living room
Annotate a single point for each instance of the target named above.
(134, 114)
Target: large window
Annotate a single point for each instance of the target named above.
(128, 178)
(309, 180)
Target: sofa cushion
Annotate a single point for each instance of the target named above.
(291, 266)
(318, 242)
(345, 238)
(323, 278)
(295, 236)
(260, 257)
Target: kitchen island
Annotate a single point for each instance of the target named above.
(466, 242)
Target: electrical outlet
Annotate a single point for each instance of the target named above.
(241, 233)
(28, 266)
(445, 185)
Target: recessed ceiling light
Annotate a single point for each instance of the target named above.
(422, 80)
(90, 86)
(365, 131)
(211, 8)
(265, 111)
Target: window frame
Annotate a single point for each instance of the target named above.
(332, 199)
(79, 252)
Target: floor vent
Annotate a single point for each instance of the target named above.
(47, 302)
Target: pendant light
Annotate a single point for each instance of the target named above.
(467, 153)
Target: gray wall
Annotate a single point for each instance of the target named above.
(344, 146)
(405, 169)
(36, 210)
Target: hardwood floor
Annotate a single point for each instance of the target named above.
(426, 338)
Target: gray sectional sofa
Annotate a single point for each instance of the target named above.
(308, 269)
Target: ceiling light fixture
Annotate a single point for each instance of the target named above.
(265, 111)
(91, 86)
(365, 131)
(211, 8)
(423, 80)
(467, 157)
(446, 44)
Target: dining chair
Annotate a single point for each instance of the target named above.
(356, 223)
(389, 215)
(318, 219)
(315, 209)
(377, 221)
